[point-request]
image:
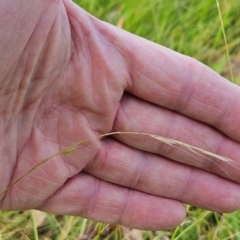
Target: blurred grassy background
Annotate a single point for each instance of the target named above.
(189, 27)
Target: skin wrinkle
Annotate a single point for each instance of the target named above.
(111, 38)
(76, 48)
(99, 155)
(92, 200)
(114, 214)
(154, 91)
(73, 45)
(95, 100)
(155, 69)
(87, 199)
(215, 162)
(59, 144)
(115, 119)
(3, 94)
(140, 174)
(35, 163)
(226, 111)
(163, 148)
(15, 199)
(91, 75)
(207, 162)
(112, 208)
(124, 209)
(98, 64)
(35, 86)
(108, 94)
(114, 154)
(208, 95)
(103, 159)
(187, 185)
(8, 90)
(33, 187)
(164, 85)
(128, 78)
(29, 194)
(80, 114)
(204, 105)
(11, 169)
(10, 54)
(119, 112)
(28, 137)
(46, 179)
(235, 119)
(22, 84)
(58, 136)
(211, 162)
(84, 92)
(184, 136)
(95, 111)
(84, 35)
(42, 167)
(16, 167)
(58, 191)
(66, 39)
(4, 170)
(131, 54)
(187, 89)
(59, 31)
(165, 182)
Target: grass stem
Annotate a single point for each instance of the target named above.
(225, 41)
(34, 225)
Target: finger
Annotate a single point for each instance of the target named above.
(136, 115)
(158, 176)
(178, 82)
(94, 199)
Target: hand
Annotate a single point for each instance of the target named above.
(66, 77)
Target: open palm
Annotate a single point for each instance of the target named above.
(66, 77)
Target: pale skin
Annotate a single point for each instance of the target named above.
(65, 77)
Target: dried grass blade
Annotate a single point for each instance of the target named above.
(191, 148)
(168, 141)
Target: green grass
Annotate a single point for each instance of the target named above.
(192, 28)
